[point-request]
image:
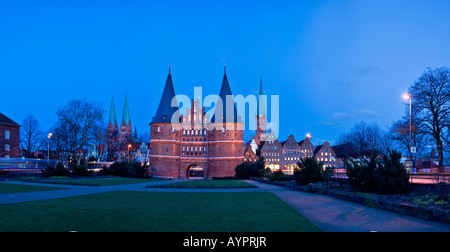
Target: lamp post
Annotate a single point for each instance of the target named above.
(408, 97)
(48, 149)
(129, 146)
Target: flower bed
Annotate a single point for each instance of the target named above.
(414, 204)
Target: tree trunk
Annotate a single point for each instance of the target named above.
(440, 150)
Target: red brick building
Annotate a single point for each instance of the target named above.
(194, 141)
(9, 137)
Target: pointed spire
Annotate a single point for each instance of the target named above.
(126, 112)
(135, 132)
(165, 110)
(112, 114)
(225, 90)
(261, 102)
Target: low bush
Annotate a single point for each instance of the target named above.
(388, 176)
(277, 175)
(126, 169)
(246, 170)
(59, 170)
(310, 171)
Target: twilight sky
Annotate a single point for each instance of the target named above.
(332, 63)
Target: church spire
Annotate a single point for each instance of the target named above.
(261, 101)
(165, 110)
(112, 114)
(126, 112)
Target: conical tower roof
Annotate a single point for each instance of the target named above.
(112, 114)
(261, 102)
(165, 110)
(225, 91)
(126, 112)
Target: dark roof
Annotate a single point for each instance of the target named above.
(318, 147)
(6, 120)
(225, 90)
(165, 109)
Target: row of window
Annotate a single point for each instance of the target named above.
(194, 148)
(191, 132)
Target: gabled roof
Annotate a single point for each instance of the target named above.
(6, 120)
(318, 147)
(225, 91)
(165, 109)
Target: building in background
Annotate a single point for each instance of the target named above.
(9, 137)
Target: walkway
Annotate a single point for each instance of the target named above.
(330, 214)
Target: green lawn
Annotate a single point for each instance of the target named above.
(158, 212)
(96, 182)
(209, 184)
(12, 188)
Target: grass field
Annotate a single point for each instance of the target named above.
(156, 211)
(96, 182)
(12, 188)
(209, 184)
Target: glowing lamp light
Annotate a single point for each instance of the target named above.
(406, 96)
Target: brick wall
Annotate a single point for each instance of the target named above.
(12, 142)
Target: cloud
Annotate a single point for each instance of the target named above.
(339, 116)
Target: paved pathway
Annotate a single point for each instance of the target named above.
(330, 214)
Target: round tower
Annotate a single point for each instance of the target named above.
(165, 136)
(226, 136)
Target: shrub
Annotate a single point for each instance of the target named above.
(310, 171)
(126, 169)
(246, 170)
(386, 177)
(80, 170)
(59, 170)
(277, 175)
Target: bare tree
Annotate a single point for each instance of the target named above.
(400, 135)
(431, 106)
(82, 119)
(365, 139)
(30, 135)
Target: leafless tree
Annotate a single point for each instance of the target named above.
(83, 120)
(30, 135)
(365, 139)
(431, 106)
(400, 135)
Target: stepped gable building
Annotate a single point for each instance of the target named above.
(9, 137)
(194, 141)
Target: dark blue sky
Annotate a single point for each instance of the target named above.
(332, 63)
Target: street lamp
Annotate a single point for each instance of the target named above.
(129, 146)
(48, 150)
(408, 97)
